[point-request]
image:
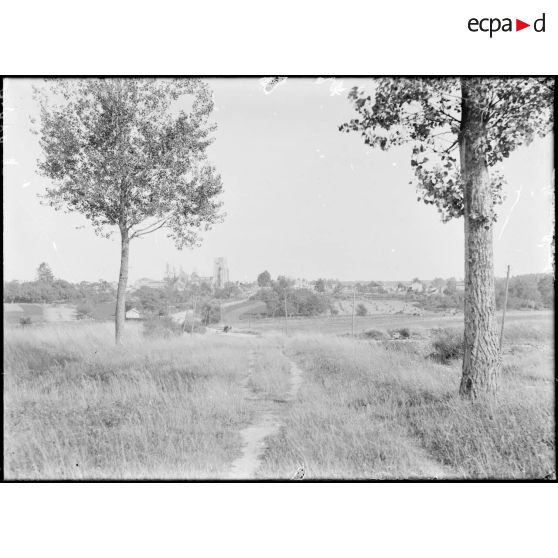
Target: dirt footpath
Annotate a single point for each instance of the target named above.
(267, 422)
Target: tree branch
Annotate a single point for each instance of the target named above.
(450, 116)
(150, 228)
(449, 149)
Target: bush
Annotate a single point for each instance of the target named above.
(447, 345)
(300, 302)
(164, 327)
(211, 312)
(198, 328)
(361, 310)
(401, 333)
(25, 321)
(438, 303)
(375, 334)
(84, 310)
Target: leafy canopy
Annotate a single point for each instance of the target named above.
(44, 273)
(125, 153)
(426, 113)
(264, 279)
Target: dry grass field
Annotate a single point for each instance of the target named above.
(386, 410)
(77, 407)
(339, 325)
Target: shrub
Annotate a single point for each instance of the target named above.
(84, 310)
(161, 327)
(211, 312)
(25, 321)
(447, 345)
(376, 334)
(361, 310)
(198, 328)
(443, 302)
(401, 333)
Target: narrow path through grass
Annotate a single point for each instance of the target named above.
(376, 410)
(269, 410)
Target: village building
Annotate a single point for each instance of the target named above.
(302, 284)
(146, 282)
(220, 273)
(196, 279)
(133, 314)
(416, 287)
(432, 290)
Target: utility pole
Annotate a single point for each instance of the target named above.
(193, 315)
(353, 321)
(504, 309)
(286, 318)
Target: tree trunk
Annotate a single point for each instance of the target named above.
(120, 314)
(481, 359)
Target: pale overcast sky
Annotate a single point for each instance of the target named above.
(302, 199)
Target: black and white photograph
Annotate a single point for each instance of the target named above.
(278, 278)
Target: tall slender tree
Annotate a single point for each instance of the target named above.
(44, 273)
(460, 129)
(130, 155)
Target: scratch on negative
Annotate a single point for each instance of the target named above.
(509, 214)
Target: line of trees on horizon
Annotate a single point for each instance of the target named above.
(533, 291)
(46, 288)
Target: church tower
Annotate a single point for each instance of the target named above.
(220, 273)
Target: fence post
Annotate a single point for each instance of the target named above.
(286, 318)
(504, 309)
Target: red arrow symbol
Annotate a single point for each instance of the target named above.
(519, 25)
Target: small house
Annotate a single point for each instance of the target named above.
(133, 314)
(416, 287)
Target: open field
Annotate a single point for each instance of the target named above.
(54, 313)
(78, 407)
(13, 312)
(342, 324)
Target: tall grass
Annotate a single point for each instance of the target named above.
(367, 411)
(270, 377)
(76, 406)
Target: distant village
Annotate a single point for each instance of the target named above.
(220, 279)
(180, 294)
(181, 279)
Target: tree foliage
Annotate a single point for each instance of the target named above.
(300, 302)
(264, 279)
(319, 285)
(451, 286)
(534, 291)
(44, 273)
(118, 154)
(361, 310)
(426, 113)
(211, 312)
(58, 290)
